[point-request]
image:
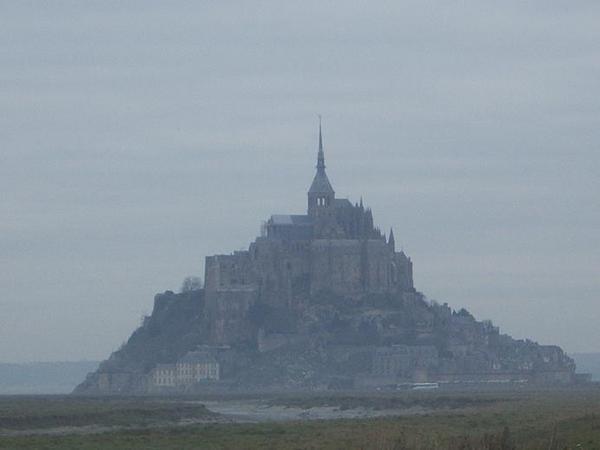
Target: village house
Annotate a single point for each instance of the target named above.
(192, 368)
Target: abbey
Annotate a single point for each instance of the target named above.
(320, 300)
(333, 247)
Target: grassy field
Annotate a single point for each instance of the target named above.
(505, 420)
(21, 413)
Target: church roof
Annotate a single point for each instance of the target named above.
(342, 203)
(291, 219)
(197, 358)
(321, 184)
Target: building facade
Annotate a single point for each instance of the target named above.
(192, 368)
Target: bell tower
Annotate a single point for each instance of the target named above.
(320, 195)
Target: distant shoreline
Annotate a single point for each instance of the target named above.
(43, 378)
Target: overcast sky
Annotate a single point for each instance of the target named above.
(137, 137)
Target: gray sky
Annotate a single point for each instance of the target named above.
(137, 137)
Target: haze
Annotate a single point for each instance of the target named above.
(137, 138)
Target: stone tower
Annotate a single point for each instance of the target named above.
(321, 195)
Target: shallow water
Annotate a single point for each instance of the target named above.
(258, 411)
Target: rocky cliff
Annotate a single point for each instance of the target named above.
(331, 342)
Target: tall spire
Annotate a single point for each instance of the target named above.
(391, 240)
(321, 155)
(320, 194)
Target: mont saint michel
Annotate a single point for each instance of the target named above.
(319, 301)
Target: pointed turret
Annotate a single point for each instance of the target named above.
(392, 241)
(320, 194)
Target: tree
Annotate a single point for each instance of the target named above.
(191, 283)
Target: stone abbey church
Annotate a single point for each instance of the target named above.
(320, 300)
(333, 247)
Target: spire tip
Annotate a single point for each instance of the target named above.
(321, 156)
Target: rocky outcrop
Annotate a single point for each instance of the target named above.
(331, 342)
(321, 300)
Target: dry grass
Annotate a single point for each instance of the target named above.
(545, 420)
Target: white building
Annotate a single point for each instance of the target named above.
(192, 368)
(164, 375)
(195, 367)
